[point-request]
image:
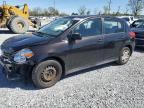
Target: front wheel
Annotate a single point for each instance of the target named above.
(124, 56)
(47, 74)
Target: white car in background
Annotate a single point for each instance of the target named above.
(128, 19)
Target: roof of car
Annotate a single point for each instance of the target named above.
(89, 16)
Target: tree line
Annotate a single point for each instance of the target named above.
(50, 11)
(134, 7)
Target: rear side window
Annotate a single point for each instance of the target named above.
(113, 26)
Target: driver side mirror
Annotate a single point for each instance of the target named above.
(74, 36)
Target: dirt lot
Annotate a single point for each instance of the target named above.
(106, 86)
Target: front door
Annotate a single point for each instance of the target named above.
(89, 50)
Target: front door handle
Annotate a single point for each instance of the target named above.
(100, 40)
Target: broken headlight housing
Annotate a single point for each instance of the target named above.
(22, 55)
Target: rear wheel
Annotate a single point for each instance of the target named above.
(19, 25)
(124, 56)
(47, 74)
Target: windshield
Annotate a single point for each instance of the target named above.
(56, 27)
(141, 25)
(137, 23)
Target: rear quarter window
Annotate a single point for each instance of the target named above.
(113, 26)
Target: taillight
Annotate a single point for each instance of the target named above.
(132, 35)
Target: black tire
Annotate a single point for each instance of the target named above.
(41, 80)
(8, 27)
(9, 21)
(124, 56)
(19, 25)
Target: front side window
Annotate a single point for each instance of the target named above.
(113, 26)
(90, 27)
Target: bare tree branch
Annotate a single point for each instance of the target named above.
(84, 11)
(136, 6)
(107, 7)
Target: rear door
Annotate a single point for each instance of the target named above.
(114, 36)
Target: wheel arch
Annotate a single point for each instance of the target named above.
(130, 47)
(58, 59)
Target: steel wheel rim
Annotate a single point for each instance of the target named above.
(20, 25)
(48, 74)
(126, 55)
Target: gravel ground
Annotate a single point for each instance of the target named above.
(106, 86)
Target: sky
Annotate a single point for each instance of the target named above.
(70, 6)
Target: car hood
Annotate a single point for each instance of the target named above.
(25, 40)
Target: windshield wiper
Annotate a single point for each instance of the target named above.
(45, 33)
(41, 32)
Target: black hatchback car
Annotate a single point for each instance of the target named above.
(67, 45)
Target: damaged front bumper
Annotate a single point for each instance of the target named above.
(14, 71)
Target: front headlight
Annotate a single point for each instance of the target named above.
(22, 55)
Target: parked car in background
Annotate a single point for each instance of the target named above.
(67, 45)
(36, 21)
(128, 19)
(139, 31)
(136, 23)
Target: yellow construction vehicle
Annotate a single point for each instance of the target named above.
(15, 19)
